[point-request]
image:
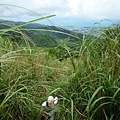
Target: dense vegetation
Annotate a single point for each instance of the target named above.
(86, 80)
(41, 35)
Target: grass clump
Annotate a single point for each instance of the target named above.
(87, 81)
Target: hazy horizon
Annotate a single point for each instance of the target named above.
(69, 22)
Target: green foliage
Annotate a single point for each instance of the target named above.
(87, 81)
(41, 35)
(44, 40)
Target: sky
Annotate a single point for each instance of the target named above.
(68, 12)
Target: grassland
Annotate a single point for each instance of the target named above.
(88, 86)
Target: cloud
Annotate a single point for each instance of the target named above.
(100, 9)
(41, 7)
(85, 9)
(94, 9)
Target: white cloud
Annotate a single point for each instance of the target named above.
(86, 9)
(41, 7)
(94, 9)
(100, 9)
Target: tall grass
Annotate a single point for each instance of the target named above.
(96, 79)
(88, 86)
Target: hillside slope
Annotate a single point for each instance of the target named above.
(42, 35)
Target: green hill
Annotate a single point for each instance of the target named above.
(41, 35)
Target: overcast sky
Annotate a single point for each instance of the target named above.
(65, 10)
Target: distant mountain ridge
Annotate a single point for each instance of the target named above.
(42, 35)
